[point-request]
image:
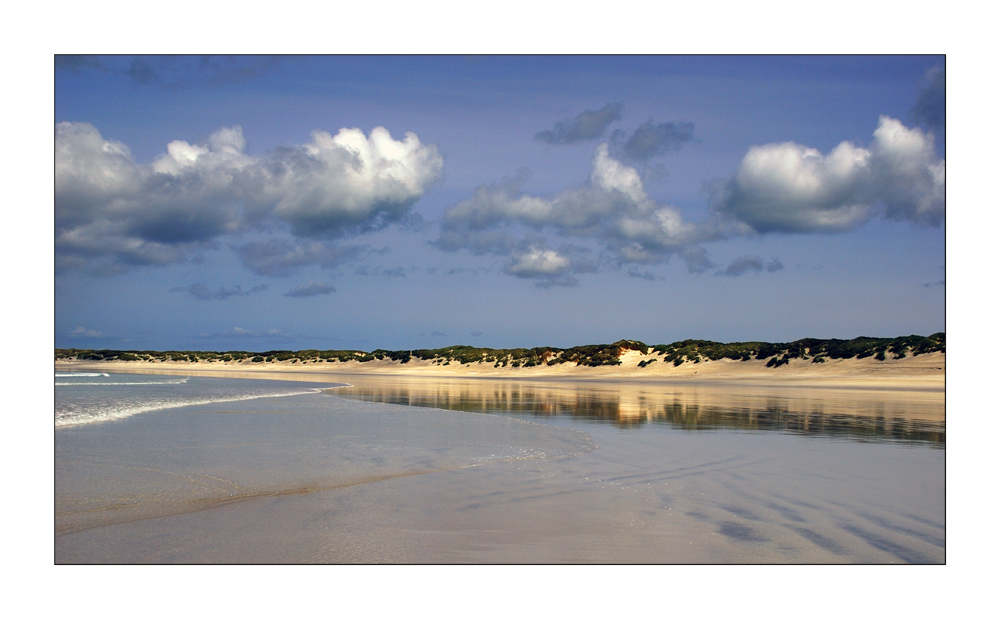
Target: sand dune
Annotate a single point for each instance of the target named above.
(925, 371)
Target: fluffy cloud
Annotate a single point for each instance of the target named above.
(311, 289)
(612, 207)
(546, 266)
(651, 140)
(345, 183)
(102, 195)
(588, 125)
(613, 204)
(538, 261)
(783, 187)
(792, 188)
(908, 177)
(110, 207)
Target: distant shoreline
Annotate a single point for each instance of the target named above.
(909, 362)
(921, 372)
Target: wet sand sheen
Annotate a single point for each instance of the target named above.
(655, 491)
(194, 505)
(190, 459)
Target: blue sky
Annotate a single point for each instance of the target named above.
(422, 201)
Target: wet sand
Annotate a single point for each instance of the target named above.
(576, 472)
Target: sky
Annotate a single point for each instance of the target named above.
(400, 202)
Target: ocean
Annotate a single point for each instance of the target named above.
(381, 469)
(95, 397)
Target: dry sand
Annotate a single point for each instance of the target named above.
(923, 372)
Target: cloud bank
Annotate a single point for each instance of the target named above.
(295, 206)
(777, 188)
(111, 208)
(611, 208)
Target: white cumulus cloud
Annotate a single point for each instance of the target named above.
(547, 267)
(612, 208)
(347, 181)
(788, 187)
(108, 206)
(538, 262)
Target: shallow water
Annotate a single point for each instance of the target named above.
(97, 397)
(554, 471)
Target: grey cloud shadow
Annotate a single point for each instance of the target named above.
(204, 293)
(587, 125)
(311, 289)
(652, 140)
(929, 109)
(169, 71)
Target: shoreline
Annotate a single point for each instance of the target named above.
(920, 373)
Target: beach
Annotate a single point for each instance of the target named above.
(638, 314)
(397, 468)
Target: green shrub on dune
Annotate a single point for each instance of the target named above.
(594, 355)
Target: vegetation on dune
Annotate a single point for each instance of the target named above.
(694, 351)
(818, 350)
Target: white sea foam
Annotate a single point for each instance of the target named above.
(158, 382)
(115, 412)
(91, 397)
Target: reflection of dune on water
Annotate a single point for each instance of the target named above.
(910, 416)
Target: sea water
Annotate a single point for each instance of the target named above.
(451, 471)
(95, 397)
